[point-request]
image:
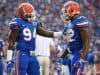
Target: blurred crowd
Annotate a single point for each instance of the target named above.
(48, 12)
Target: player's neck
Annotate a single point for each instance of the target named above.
(75, 16)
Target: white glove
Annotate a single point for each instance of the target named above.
(57, 34)
(9, 55)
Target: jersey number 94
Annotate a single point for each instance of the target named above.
(28, 35)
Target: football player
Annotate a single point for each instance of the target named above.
(23, 32)
(76, 27)
(3, 50)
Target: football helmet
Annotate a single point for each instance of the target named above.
(26, 11)
(70, 9)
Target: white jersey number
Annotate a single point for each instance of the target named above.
(70, 35)
(28, 35)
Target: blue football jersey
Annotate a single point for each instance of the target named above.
(26, 38)
(1, 45)
(72, 30)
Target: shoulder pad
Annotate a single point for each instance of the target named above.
(14, 22)
(82, 22)
(37, 23)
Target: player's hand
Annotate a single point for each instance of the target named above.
(65, 37)
(9, 55)
(66, 53)
(82, 54)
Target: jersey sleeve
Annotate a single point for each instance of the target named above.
(82, 22)
(37, 23)
(13, 23)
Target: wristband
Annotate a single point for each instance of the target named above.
(9, 55)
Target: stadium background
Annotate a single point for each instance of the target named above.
(48, 11)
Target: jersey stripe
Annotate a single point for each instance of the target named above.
(13, 23)
(84, 23)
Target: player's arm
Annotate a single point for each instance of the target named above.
(65, 53)
(12, 38)
(84, 32)
(4, 51)
(43, 32)
(46, 33)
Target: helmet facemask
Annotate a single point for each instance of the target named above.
(64, 15)
(30, 17)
